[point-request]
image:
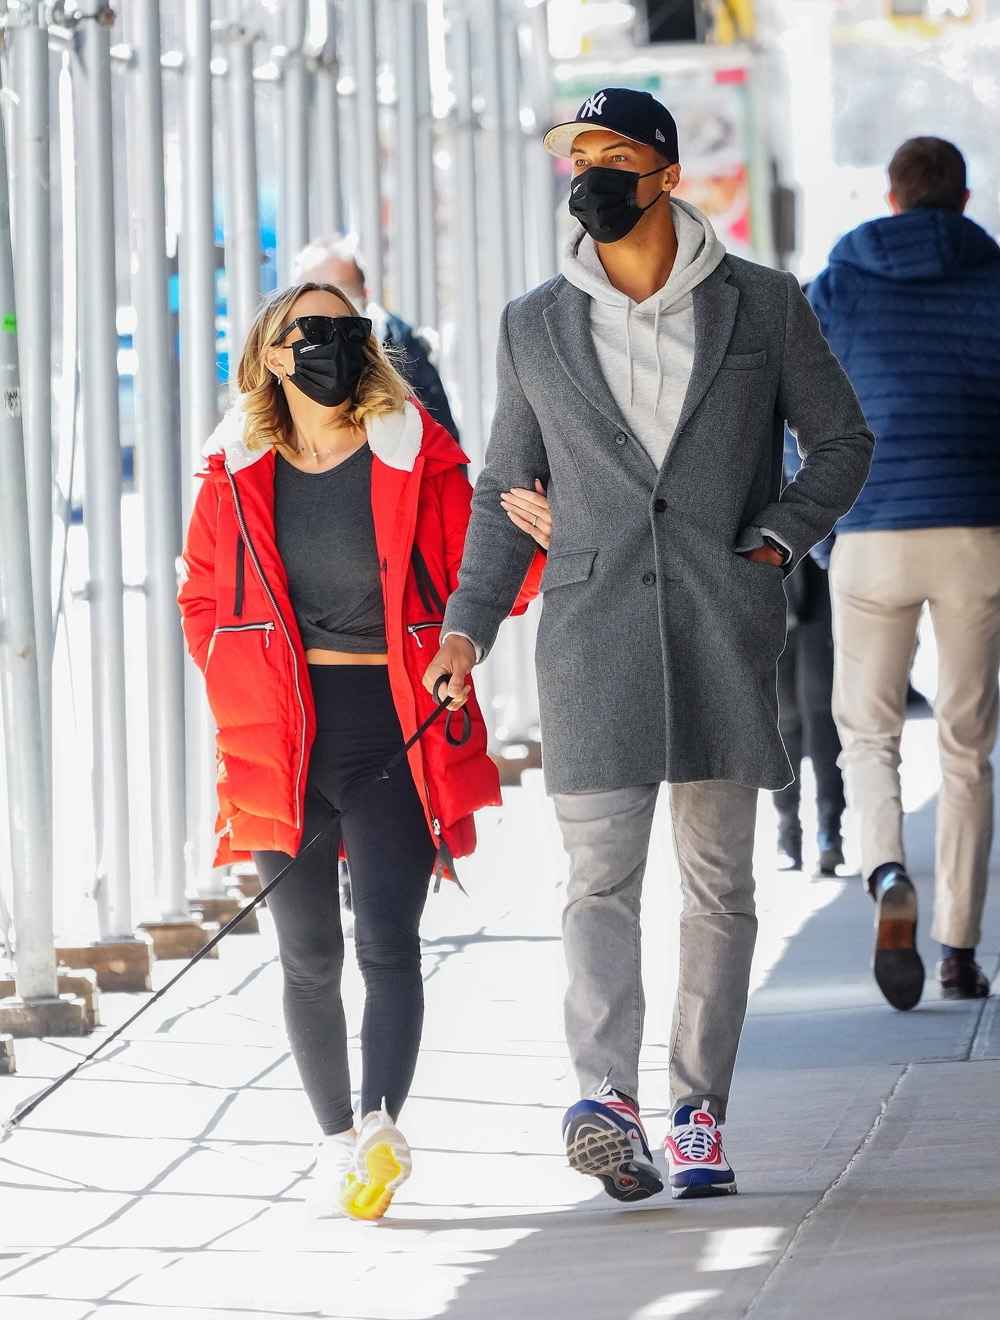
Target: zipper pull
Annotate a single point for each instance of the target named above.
(415, 634)
(267, 636)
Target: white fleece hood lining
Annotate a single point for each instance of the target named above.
(394, 438)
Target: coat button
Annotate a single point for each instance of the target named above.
(648, 579)
(660, 506)
(621, 438)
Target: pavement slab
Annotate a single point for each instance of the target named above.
(169, 1182)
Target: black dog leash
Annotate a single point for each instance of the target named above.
(454, 740)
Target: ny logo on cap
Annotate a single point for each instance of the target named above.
(592, 106)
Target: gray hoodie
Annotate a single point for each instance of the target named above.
(646, 349)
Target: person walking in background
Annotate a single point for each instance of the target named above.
(324, 542)
(646, 389)
(336, 259)
(911, 306)
(805, 720)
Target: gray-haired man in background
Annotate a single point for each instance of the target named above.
(336, 259)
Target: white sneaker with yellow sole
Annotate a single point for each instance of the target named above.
(382, 1164)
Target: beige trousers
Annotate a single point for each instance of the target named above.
(879, 583)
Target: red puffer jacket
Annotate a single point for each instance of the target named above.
(241, 631)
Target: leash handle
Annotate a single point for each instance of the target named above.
(452, 739)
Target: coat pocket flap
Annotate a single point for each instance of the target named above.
(744, 361)
(566, 568)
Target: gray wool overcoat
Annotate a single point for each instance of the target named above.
(658, 641)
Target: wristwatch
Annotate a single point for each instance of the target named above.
(782, 550)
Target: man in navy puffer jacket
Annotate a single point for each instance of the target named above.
(911, 307)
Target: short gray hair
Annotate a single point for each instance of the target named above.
(319, 250)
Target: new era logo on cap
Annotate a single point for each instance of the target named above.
(637, 116)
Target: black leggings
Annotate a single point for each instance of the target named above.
(391, 856)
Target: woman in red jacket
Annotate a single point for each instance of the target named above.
(324, 542)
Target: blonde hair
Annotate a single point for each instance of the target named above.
(381, 388)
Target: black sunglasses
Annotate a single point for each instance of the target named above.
(324, 329)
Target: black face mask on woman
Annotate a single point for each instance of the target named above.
(603, 200)
(328, 373)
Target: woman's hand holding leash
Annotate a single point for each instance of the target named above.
(453, 661)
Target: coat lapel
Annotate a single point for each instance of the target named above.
(567, 318)
(715, 303)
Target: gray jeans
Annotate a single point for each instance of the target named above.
(606, 835)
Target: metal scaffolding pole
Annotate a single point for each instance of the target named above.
(491, 137)
(369, 159)
(102, 466)
(510, 54)
(407, 300)
(543, 261)
(30, 837)
(467, 266)
(328, 206)
(426, 191)
(293, 209)
(199, 397)
(242, 228)
(30, 186)
(159, 456)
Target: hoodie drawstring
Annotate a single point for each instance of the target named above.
(628, 347)
(659, 359)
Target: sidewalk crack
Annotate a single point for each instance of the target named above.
(862, 1147)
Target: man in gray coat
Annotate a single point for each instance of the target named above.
(647, 388)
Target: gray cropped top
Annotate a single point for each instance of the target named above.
(325, 532)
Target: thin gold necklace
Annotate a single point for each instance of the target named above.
(321, 453)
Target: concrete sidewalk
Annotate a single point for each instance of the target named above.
(167, 1182)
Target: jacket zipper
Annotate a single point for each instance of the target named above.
(277, 612)
(435, 823)
(415, 629)
(266, 628)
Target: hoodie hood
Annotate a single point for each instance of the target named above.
(699, 251)
(916, 245)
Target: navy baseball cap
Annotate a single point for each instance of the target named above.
(635, 115)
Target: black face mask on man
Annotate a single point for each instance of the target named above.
(327, 373)
(603, 200)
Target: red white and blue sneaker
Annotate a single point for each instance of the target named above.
(696, 1165)
(605, 1138)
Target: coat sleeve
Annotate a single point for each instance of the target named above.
(196, 596)
(455, 498)
(818, 402)
(498, 555)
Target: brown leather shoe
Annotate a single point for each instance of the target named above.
(962, 979)
(899, 971)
